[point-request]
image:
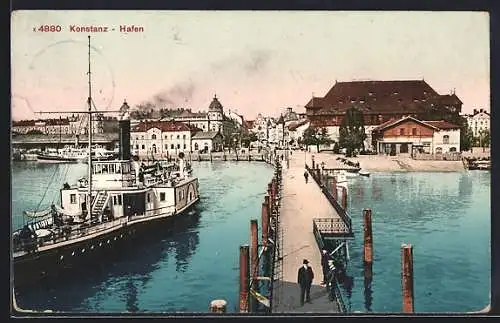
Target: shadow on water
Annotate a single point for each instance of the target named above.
(131, 267)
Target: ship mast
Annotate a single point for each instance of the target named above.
(89, 101)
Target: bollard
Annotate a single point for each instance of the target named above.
(218, 306)
(254, 257)
(244, 278)
(368, 242)
(254, 248)
(265, 222)
(407, 277)
(344, 198)
(334, 189)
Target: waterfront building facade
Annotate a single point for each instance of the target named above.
(212, 120)
(295, 132)
(379, 102)
(409, 135)
(160, 138)
(207, 141)
(478, 121)
(74, 125)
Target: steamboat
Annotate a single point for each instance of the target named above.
(119, 201)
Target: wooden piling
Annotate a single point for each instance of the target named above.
(344, 198)
(254, 265)
(334, 189)
(265, 222)
(407, 277)
(218, 306)
(254, 247)
(368, 241)
(244, 278)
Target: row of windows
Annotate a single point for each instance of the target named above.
(153, 136)
(172, 146)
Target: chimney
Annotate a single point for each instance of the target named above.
(474, 111)
(124, 132)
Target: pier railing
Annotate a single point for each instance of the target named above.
(340, 211)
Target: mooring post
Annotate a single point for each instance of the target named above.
(210, 156)
(334, 189)
(368, 243)
(254, 256)
(218, 306)
(344, 198)
(244, 278)
(407, 277)
(265, 222)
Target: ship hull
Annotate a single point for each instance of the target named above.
(31, 268)
(58, 159)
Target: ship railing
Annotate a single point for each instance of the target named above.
(59, 235)
(161, 211)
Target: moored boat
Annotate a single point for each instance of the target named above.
(120, 200)
(364, 173)
(64, 155)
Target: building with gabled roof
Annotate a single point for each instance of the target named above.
(207, 141)
(409, 135)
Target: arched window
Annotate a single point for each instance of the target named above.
(439, 150)
(195, 146)
(153, 136)
(446, 139)
(183, 136)
(453, 149)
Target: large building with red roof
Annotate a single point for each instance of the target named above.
(379, 101)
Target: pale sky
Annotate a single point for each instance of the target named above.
(254, 61)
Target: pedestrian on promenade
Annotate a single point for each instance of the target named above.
(306, 176)
(304, 279)
(325, 266)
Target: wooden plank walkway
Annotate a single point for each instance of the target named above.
(301, 203)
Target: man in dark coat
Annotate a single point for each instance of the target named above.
(304, 279)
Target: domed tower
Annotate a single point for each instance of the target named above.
(215, 115)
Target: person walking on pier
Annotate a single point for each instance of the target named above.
(304, 279)
(306, 176)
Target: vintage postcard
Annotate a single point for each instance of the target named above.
(250, 162)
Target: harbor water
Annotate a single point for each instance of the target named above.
(181, 272)
(445, 216)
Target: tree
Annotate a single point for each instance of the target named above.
(484, 139)
(316, 136)
(466, 139)
(324, 137)
(352, 131)
(311, 137)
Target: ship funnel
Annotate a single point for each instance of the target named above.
(124, 124)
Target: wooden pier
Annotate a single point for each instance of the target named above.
(309, 221)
